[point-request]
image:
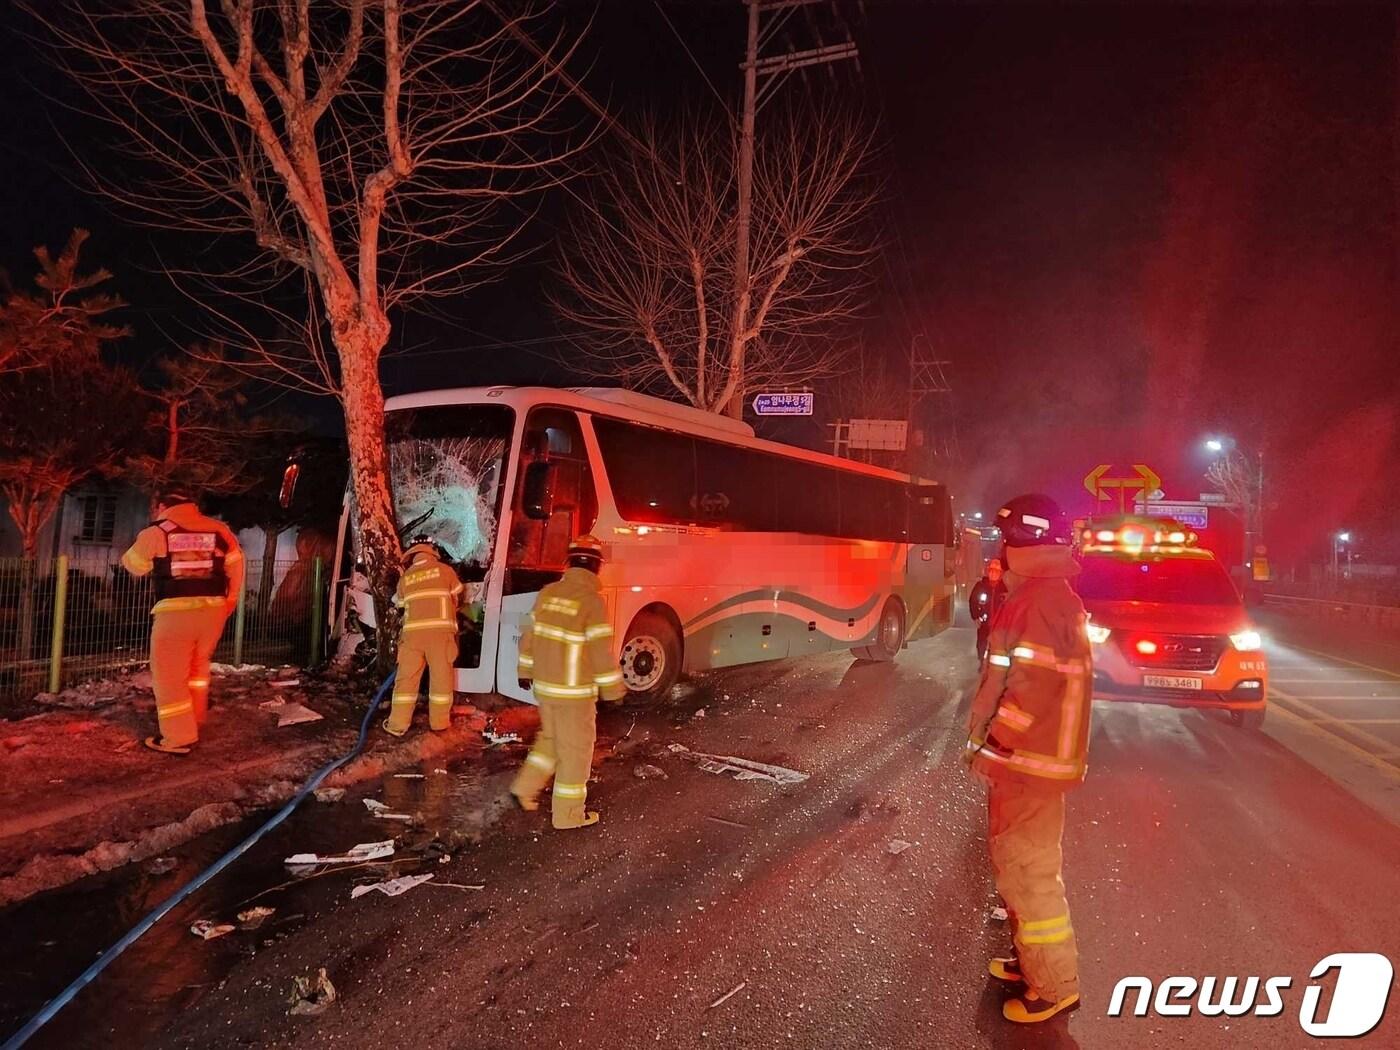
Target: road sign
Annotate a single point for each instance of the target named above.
(1196, 515)
(777, 404)
(1100, 486)
(888, 434)
(1214, 497)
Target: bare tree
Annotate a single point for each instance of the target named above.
(204, 436)
(650, 267)
(364, 146)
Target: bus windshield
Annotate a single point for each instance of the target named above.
(448, 466)
(1155, 578)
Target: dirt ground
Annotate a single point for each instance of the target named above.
(79, 794)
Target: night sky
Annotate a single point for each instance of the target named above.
(1126, 226)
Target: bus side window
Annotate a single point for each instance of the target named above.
(553, 436)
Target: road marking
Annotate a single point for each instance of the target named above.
(1333, 697)
(1373, 722)
(1327, 681)
(1377, 761)
(1322, 720)
(1343, 659)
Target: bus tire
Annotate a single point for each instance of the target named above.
(650, 657)
(889, 638)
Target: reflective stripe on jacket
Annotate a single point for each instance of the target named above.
(566, 643)
(152, 551)
(1030, 716)
(429, 593)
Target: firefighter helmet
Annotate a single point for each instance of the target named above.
(586, 552)
(423, 545)
(1033, 521)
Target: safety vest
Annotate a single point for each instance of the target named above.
(192, 565)
(566, 643)
(429, 592)
(1039, 676)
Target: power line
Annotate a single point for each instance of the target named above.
(690, 54)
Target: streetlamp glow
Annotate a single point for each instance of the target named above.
(1343, 537)
(1215, 445)
(977, 515)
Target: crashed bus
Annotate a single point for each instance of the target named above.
(721, 548)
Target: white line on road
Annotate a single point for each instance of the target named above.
(1326, 681)
(1392, 698)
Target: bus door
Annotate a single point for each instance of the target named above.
(928, 590)
(555, 500)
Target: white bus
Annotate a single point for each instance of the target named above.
(721, 548)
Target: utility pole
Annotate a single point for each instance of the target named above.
(741, 234)
(928, 384)
(773, 69)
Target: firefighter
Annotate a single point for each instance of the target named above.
(1029, 735)
(566, 650)
(197, 567)
(983, 603)
(429, 593)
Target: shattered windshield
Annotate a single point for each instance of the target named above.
(448, 467)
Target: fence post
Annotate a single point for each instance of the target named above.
(60, 614)
(240, 617)
(316, 613)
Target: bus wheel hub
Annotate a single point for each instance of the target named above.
(643, 659)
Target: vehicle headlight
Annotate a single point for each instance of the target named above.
(1098, 635)
(1247, 641)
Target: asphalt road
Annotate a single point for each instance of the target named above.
(1195, 848)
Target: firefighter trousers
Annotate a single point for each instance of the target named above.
(436, 651)
(563, 749)
(1024, 827)
(182, 643)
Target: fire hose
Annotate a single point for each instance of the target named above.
(85, 978)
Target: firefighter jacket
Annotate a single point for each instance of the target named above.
(429, 593)
(566, 642)
(194, 560)
(1030, 715)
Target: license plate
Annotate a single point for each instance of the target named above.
(1170, 681)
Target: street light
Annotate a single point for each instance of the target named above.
(1215, 445)
(1253, 490)
(1340, 540)
(977, 515)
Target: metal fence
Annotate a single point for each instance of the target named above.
(72, 619)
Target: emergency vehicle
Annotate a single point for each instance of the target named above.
(1167, 624)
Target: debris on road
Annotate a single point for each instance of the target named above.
(727, 995)
(374, 805)
(161, 865)
(700, 713)
(1000, 914)
(252, 918)
(311, 995)
(391, 887)
(495, 739)
(409, 776)
(295, 715)
(459, 885)
(208, 929)
(358, 854)
(644, 771)
(897, 846)
(285, 683)
(742, 768)
(726, 820)
(329, 794)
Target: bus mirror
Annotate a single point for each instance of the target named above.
(289, 485)
(538, 493)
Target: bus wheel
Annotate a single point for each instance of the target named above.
(890, 637)
(1253, 720)
(651, 657)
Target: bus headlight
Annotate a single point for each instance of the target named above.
(1247, 641)
(1098, 635)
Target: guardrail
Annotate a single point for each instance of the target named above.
(1386, 617)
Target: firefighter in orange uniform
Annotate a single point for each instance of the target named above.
(197, 567)
(566, 649)
(1028, 740)
(429, 593)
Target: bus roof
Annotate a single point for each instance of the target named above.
(641, 407)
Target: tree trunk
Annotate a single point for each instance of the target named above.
(269, 565)
(363, 401)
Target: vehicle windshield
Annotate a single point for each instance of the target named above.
(448, 466)
(1155, 578)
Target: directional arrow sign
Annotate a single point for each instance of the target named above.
(1146, 481)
